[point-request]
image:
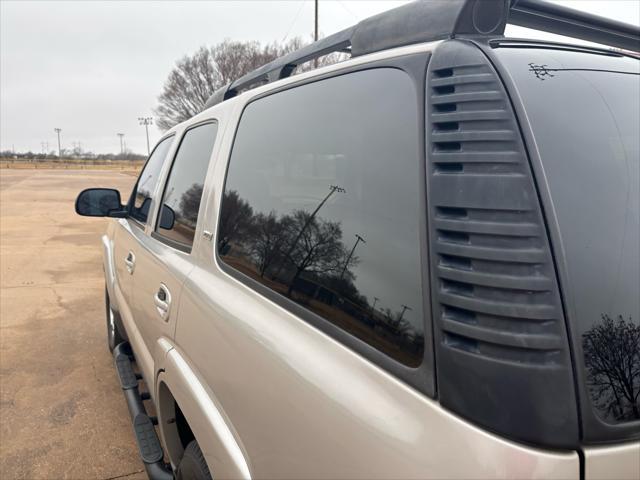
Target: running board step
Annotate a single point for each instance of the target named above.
(150, 449)
(126, 374)
(143, 426)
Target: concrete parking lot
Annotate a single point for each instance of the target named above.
(62, 414)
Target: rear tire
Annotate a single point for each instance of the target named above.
(192, 466)
(113, 334)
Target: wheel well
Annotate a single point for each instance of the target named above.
(175, 428)
(184, 430)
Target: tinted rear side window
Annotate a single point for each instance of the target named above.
(148, 180)
(183, 190)
(584, 111)
(322, 205)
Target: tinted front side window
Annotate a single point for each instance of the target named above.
(584, 111)
(322, 202)
(148, 180)
(183, 191)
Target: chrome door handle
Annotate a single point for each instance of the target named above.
(162, 300)
(130, 262)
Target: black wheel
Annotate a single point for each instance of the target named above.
(192, 466)
(113, 334)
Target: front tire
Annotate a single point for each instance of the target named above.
(193, 466)
(113, 334)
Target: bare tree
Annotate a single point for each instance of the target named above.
(194, 78)
(319, 249)
(236, 218)
(612, 358)
(190, 204)
(265, 240)
(190, 84)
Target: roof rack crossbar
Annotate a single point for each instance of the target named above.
(284, 66)
(551, 18)
(425, 21)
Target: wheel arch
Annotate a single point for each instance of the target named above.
(182, 397)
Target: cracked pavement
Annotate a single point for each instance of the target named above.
(62, 414)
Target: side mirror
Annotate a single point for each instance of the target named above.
(100, 202)
(167, 218)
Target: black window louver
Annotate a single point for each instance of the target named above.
(502, 354)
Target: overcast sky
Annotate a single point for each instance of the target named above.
(92, 68)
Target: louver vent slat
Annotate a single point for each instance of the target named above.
(485, 96)
(500, 333)
(489, 241)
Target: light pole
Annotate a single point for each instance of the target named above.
(358, 240)
(373, 307)
(58, 130)
(146, 121)
(121, 135)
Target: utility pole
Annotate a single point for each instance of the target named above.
(121, 135)
(146, 121)
(346, 263)
(404, 309)
(315, 31)
(58, 130)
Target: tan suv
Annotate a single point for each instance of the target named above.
(422, 262)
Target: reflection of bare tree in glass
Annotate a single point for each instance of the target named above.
(612, 358)
(396, 323)
(190, 203)
(332, 189)
(266, 237)
(235, 218)
(318, 248)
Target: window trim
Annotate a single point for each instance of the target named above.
(183, 247)
(134, 190)
(421, 377)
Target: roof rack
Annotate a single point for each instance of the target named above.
(430, 20)
(560, 20)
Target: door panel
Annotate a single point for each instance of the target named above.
(124, 246)
(160, 272)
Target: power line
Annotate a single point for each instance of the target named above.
(348, 9)
(295, 19)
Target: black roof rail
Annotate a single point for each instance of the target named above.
(548, 17)
(415, 22)
(430, 20)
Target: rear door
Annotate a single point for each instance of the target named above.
(319, 231)
(130, 230)
(164, 257)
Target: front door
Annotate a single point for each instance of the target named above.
(130, 232)
(164, 257)
(124, 257)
